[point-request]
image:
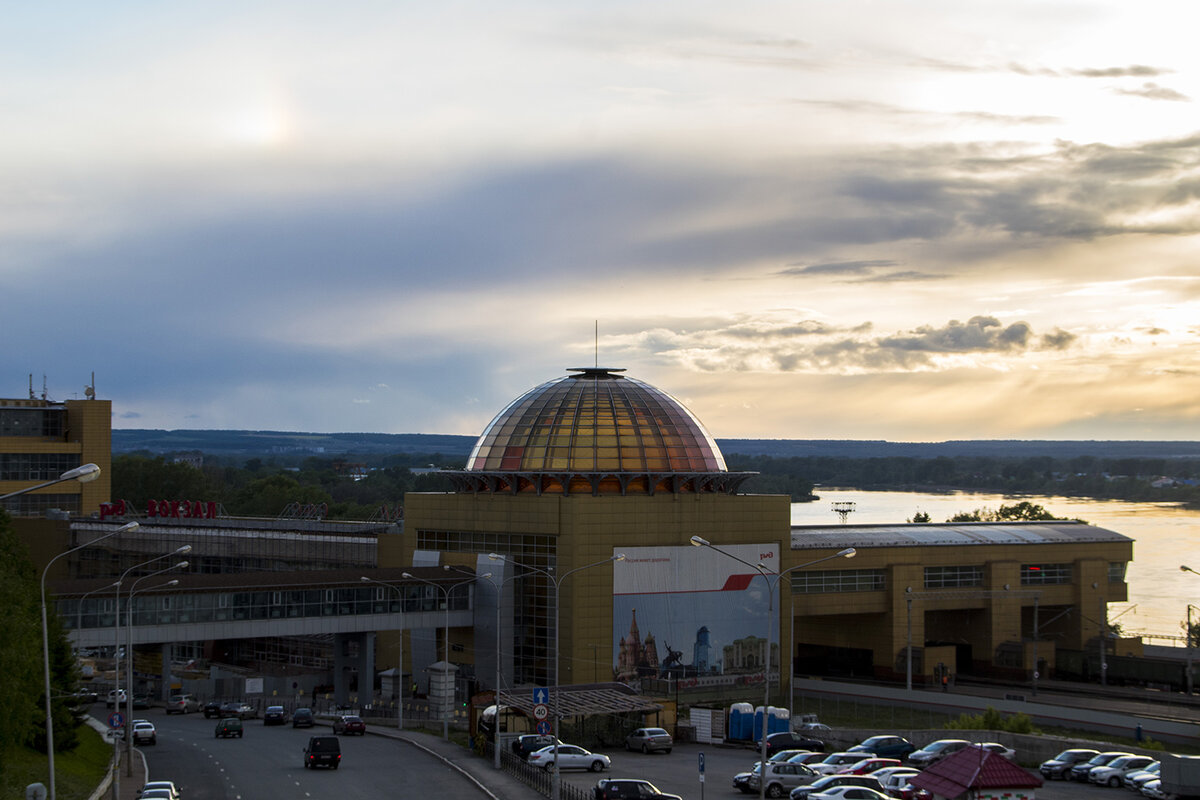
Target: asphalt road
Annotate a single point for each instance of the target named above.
(267, 762)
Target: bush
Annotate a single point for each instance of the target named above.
(993, 720)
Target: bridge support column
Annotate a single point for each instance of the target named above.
(345, 666)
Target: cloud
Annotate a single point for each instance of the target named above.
(865, 267)
(1152, 91)
(1131, 71)
(979, 334)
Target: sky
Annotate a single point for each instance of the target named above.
(912, 221)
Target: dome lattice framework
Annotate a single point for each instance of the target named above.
(598, 432)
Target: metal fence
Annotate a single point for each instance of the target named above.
(540, 780)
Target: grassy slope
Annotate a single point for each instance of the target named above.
(77, 774)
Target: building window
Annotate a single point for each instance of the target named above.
(946, 577)
(838, 580)
(1116, 571)
(1040, 574)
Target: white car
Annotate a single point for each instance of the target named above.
(570, 756)
(167, 786)
(849, 793)
(835, 762)
(935, 751)
(144, 733)
(1113, 773)
(895, 778)
(115, 696)
(998, 749)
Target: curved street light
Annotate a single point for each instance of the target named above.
(399, 654)
(83, 474)
(446, 591)
(128, 526)
(556, 581)
(766, 574)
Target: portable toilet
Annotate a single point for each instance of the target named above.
(778, 720)
(741, 721)
(758, 723)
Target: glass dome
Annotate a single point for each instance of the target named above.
(595, 421)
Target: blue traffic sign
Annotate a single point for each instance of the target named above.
(543, 727)
(116, 719)
(541, 695)
(701, 762)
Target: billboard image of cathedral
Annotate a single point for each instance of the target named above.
(706, 618)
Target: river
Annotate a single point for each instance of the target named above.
(1159, 592)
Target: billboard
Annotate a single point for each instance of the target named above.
(693, 612)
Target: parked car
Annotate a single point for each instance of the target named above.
(569, 756)
(350, 725)
(649, 740)
(850, 793)
(807, 757)
(894, 780)
(144, 733)
(885, 746)
(998, 749)
(182, 704)
(1060, 765)
(528, 743)
(867, 766)
(275, 715)
(1138, 778)
(936, 751)
(1080, 771)
(781, 777)
(239, 710)
(115, 696)
(836, 762)
(830, 781)
(815, 728)
(629, 789)
(1113, 773)
(167, 786)
(85, 697)
(302, 718)
(786, 740)
(229, 727)
(788, 755)
(322, 751)
(212, 709)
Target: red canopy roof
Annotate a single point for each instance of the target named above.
(974, 768)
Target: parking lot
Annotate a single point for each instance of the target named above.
(679, 773)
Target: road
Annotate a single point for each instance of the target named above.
(267, 762)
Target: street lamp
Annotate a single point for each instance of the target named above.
(129, 526)
(556, 581)
(766, 574)
(399, 683)
(129, 649)
(446, 591)
(86, 595)
(83, 474)
(499, 586)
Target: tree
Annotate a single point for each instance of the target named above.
(21, 647)
(1023, 510)
(920, 516)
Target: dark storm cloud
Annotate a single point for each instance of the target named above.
(1152, 91)
(1058, 339)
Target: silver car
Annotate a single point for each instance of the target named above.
(649, 740)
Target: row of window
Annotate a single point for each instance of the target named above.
(36, 466)
(868, 580)
(47, 422)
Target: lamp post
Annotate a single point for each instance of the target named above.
(86, 595)
(556, 581)
(129, 526)
(766, 574)
(83, 474)
(499, 586)
(445, 591)
(399, 654)
(129, 651)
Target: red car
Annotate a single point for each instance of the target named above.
(350, 725)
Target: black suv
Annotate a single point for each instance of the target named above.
(626, 789)
(212, 709)
(786, 740)
(302, 718)
(322, 751)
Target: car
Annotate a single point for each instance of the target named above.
(781, 777)
(157, 794)
(998, 749)
(322, 751)
(629, 789)
(275, 715)
(1153, 789)
(741, 781)
(182, 704)
(115, 696)
(807, 757)
(850, 793)
(212, 709)
(1080, 771)
(85, 697)
(894, 779)
(528, 743)
(936, 751)
(350, 725)
(167, 786)
(239, 710)
(828, 782)
(1138, 778)
(569, 756)
(144, 733)
(867, 766)
(1060, 766)
(818, 728)
(649, 740)
(141, 701)
(229, 727)
(786, 740)
(836, 762)
(1113, 773)
(885, 746)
